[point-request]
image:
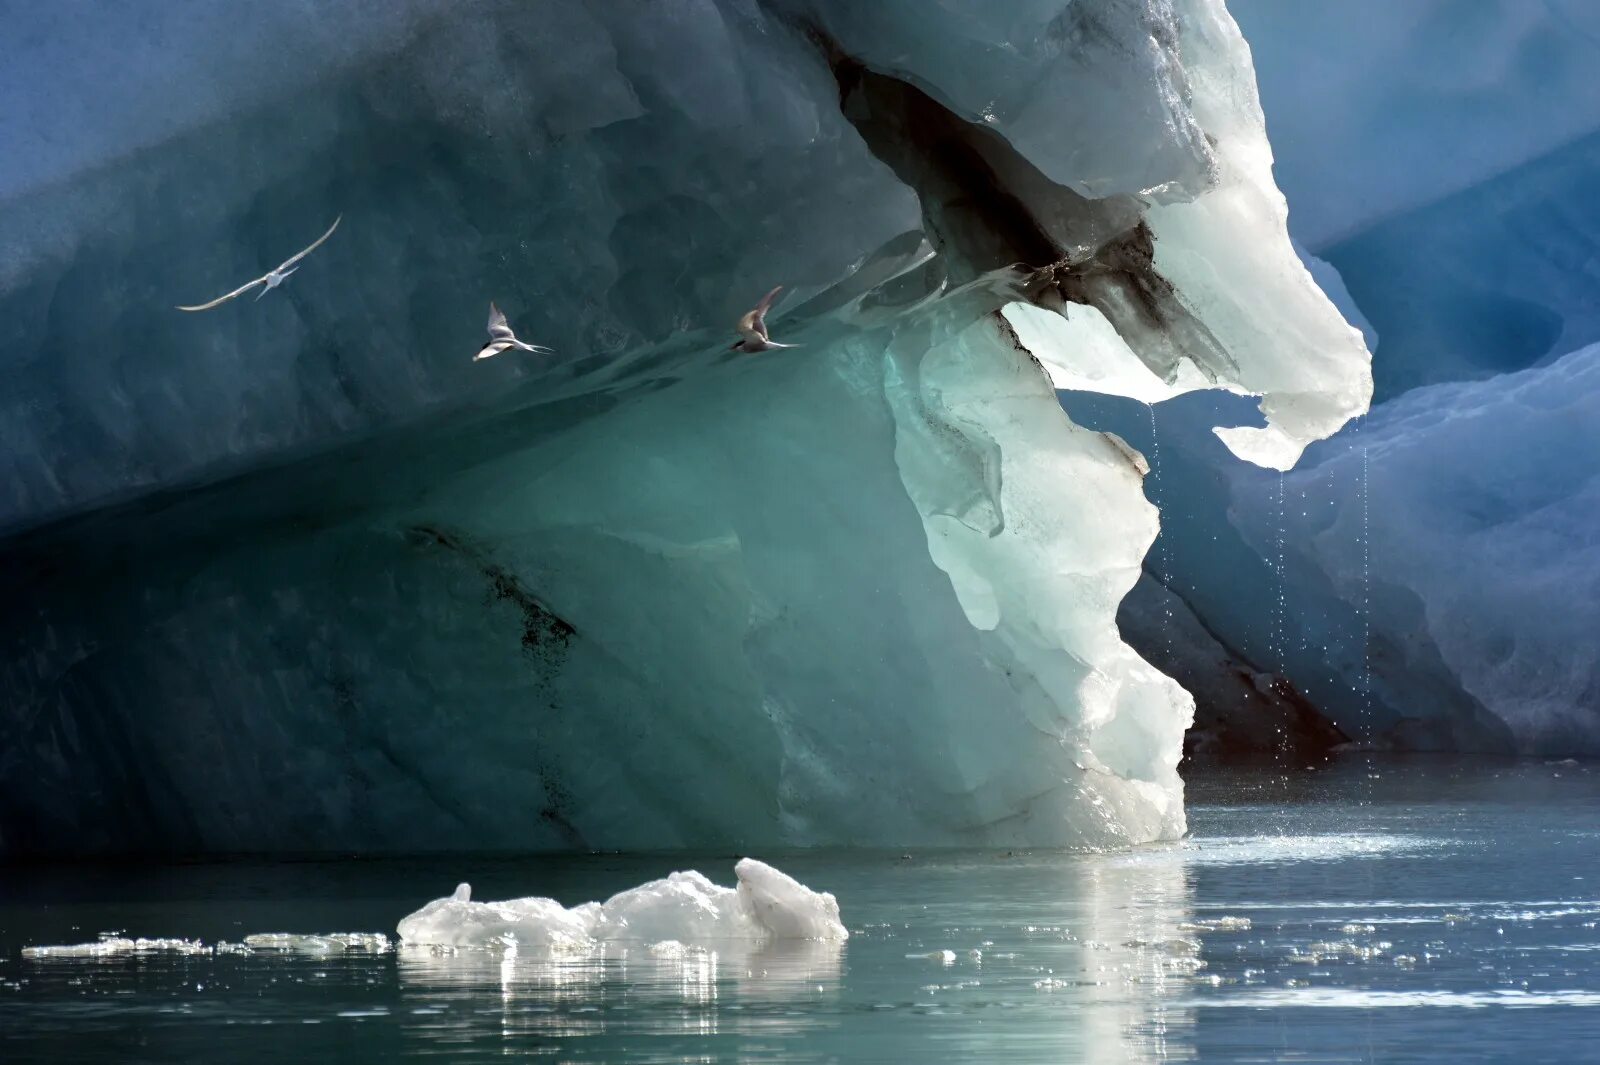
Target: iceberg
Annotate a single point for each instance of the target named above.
(1433, 97)
(1479, 565)
(682, 909)
(297, 576)
(1463, 232)
(1462, 258)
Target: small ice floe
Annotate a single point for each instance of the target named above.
(1221, 924)
(943, 957)
(672, 950)
(1317, 953)
(330, 943)
(116, 946)
(685, 908)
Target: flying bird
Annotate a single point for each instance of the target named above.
(501, 338)
(752, 328)
(272, 278)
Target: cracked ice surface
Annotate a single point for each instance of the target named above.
(643, 593)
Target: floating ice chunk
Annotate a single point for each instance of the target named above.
(674, 913)
(786, 908)
(1221, 924)
(943, 957)
(669, 949)
(329, 943)
(116, 946)
(540, 924)
(685, 906)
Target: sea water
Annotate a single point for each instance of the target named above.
(1375, 911)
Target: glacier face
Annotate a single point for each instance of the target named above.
(296, 575)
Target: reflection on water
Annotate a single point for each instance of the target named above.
(1135, 917)
(670, 988)
(1436, 923)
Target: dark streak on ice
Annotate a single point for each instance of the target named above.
(543, 630)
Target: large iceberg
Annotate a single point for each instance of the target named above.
(1443, 156)
(1463, 242)
(296, 575)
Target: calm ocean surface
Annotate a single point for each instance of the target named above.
(1377, 912)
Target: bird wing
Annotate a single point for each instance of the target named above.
(241, 290)
(314, 245)
(751, 328)
(498, 329)
(759, 319)
(491, 349)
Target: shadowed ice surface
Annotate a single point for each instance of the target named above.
(1291, 925)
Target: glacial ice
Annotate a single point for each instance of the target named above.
(321, 943)
(296, 576)
(1462, 257)
(1421, 153)
(681, 909)
(1376, 108)
(1435, 566)
(1481, 565)
(112, 946)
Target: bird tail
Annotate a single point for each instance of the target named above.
(539, 348)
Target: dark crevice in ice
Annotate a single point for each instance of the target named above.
(987, 207)
(1242, 712)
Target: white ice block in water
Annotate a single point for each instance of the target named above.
(685, 908)
(783, 906)
(539, 924)
(322, 943)
(114, 947)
